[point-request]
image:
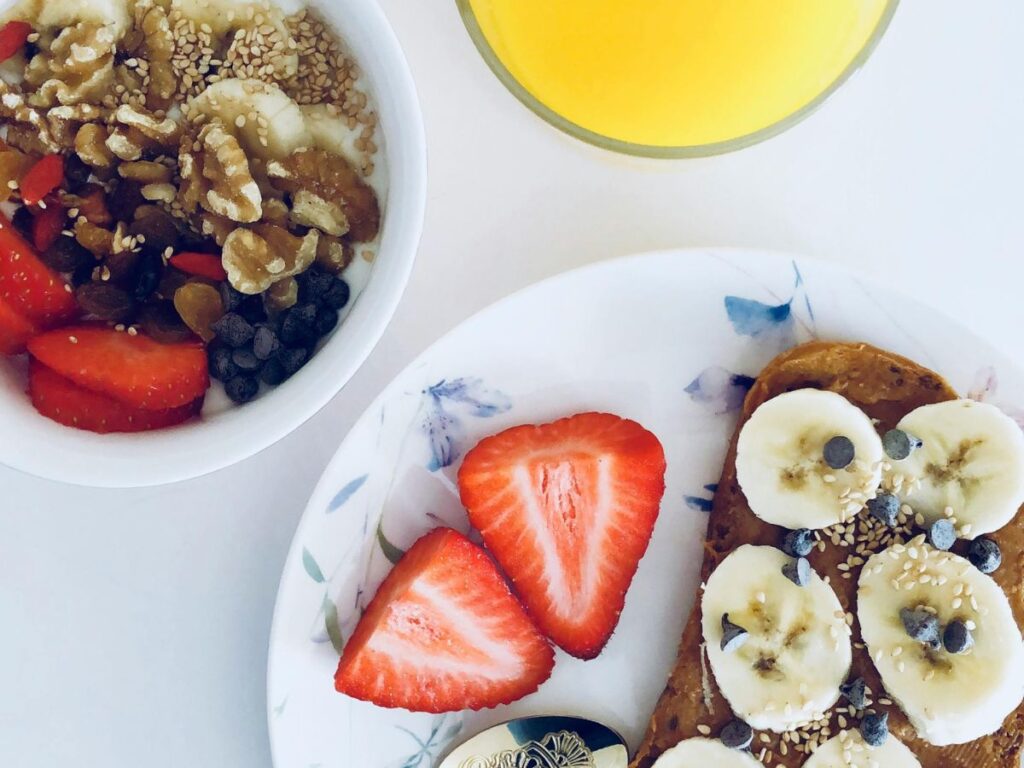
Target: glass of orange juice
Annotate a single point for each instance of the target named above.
(674, 78)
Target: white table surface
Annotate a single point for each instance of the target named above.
(134, 624)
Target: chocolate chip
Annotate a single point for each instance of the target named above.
(839, 452)
(920, 624)
(737, 735)
(898, 444)
(957, 638)
(875, 729)
(855, 692)
(798, 543)
(798, 571)
(733, 635)
(985, 555)
(942, 534)
(885, 508)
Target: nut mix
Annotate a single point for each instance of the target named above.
(188, 172)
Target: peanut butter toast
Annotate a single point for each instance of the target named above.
(886, 387)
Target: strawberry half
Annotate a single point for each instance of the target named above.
(28, 285)
(568, 509)
(444, 633)
(15, 330)
(134, 370)
(65, 402)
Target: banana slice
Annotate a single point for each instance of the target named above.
(330, 131)
(265, 120)
(780, 460)
(701, 753)
(788, 669)
(971, 459)
(848, 750)
(950, 698)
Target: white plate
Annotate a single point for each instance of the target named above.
(663, 338)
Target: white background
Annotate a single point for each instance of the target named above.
(133, 624)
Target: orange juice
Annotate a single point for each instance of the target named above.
(670, 73)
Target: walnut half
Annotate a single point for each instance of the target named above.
(217, 177)
(257, 258)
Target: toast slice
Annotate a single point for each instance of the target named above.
(887, 387)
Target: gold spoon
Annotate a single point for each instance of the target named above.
(550, 741)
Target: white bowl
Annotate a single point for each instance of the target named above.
(33, 444)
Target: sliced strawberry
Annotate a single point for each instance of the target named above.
(568, 509)
(65, 402)
(132, 369)
(444, 633)
(200, 264)
(28, 285)
(41, 179)
(15, 330)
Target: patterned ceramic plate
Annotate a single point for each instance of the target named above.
(669, 339)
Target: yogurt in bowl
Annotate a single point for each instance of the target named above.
(290, 165)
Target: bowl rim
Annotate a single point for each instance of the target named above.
(201, 447)
(575, 130)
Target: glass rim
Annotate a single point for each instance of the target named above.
(575, 130)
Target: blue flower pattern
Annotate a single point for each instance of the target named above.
(447, 403)
(777, 326)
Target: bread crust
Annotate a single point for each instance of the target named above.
(887, 387)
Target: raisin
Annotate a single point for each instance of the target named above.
(126, 197)
(160, 321)
(67, 255)
(199, 306)
(171, 280)
(158, 231)
(105, 301)
(83, 274)
(123, 267)
(148, 274)
(76, 173)
(22, 221)
(336, 296)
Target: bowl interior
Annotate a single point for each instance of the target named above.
(41, 447)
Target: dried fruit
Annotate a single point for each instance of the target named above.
(67, 255)
(202, 264)
(125, 198)
(13, 165)
(156, 231)
(105, 301)
(47, 225)
(217, 178)
(330, 177)
(258, 257)
(76, 173)
(160, 321)
(12, 38)
(199, 306)
(97, 240)
(91, 202)
(42, 178)
(148, 273)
